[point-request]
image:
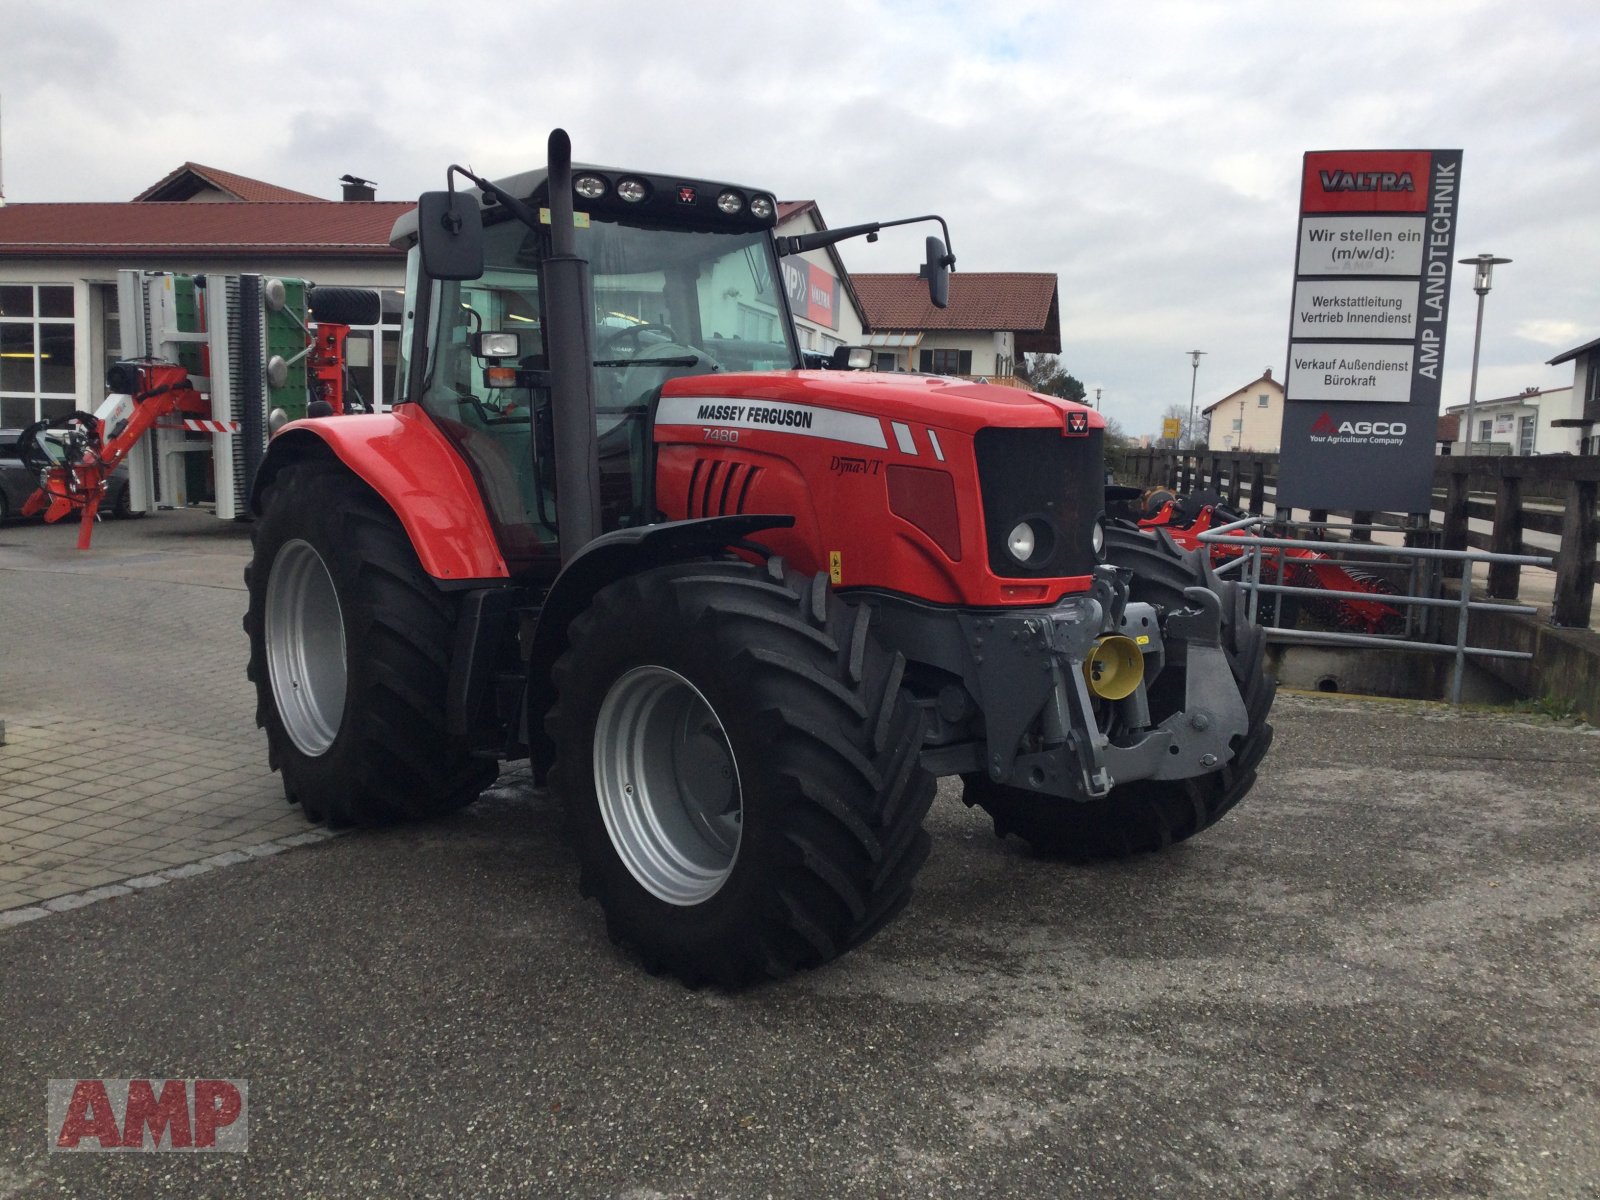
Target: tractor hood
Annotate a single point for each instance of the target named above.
(947, 403)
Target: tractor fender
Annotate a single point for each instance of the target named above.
(419, 474)
(610, 557)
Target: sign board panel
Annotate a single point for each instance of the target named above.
(1367, 327)
(813, 293)
(1171, 429)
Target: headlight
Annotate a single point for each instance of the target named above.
(761, 207)
(590, 187)
(1021, 542)
(1099, 539)
(632, 190)
(730, 203)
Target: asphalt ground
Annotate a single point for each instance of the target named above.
(1377, 977)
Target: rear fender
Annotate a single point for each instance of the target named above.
(403, 457)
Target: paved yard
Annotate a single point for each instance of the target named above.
(131, 744)
(1377, 978)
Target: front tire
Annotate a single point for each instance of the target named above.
(350, 646)
(1150, 814)
(739, 769)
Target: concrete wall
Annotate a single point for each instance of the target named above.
(1565, 667)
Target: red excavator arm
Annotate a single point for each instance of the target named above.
(75, 455)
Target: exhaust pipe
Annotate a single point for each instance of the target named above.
(569, 345)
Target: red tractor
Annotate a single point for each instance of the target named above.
(738, 615)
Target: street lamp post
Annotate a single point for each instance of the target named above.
(1193, 380)
(1097, 399)
(1482, 281)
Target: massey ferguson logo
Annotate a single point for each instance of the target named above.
(1326, 427)
(1366, 181)
(1077, 421)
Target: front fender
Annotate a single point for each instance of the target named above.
(608, 558)
(403, 457)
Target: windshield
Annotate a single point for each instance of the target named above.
(667, 303)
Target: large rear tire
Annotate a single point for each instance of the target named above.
(739, 768)
(350, 653)
(1150, 814)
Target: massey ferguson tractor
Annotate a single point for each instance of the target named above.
(738, 615)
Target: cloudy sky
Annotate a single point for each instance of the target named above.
(1147, 153)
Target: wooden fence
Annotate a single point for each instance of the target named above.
(1551, 494)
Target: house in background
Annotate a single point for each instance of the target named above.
(1584, 420)
(992, 320)
(1250, 418)
(1534, 421)
(59, 327)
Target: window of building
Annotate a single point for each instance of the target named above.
(1525, 427)
(1485, 431)
(1264, 400)
(1238, 424)
(38, 352)
(947, 362)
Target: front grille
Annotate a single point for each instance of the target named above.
(1038, 473)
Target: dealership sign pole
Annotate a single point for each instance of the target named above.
(1366, 329)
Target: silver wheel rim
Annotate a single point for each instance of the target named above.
(668, 785)
(305, 647)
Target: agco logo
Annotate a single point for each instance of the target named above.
(1325, 426)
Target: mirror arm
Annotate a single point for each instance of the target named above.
(510, 203)
(799, 243)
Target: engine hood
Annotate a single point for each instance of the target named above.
(946, 403)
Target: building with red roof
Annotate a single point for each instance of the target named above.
(59, 264)
(992, 318)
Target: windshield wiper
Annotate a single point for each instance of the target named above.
(687, 360)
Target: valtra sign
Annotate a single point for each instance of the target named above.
(1366, 328)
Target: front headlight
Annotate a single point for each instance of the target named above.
(1099, 537)
(1021, 542)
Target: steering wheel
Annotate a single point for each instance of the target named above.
(613, 343)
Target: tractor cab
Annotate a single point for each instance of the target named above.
(683, 280)
(635, 279)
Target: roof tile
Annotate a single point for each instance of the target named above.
(263, 227)
(1023, 302)
(182, 183)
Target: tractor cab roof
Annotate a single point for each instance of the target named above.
(666, 199)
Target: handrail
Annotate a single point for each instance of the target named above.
(1253, 550)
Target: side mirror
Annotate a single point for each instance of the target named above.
(450, 231)
(936, 270)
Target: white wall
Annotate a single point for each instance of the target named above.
(1262, 425)
(1545, 407)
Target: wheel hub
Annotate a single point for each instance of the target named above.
(668, 785)
(304, 630)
